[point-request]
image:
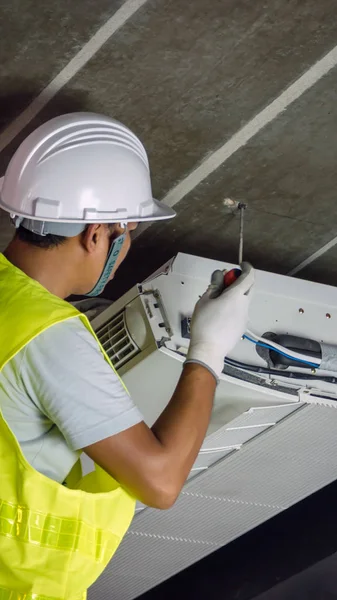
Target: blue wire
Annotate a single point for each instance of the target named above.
(262, 345)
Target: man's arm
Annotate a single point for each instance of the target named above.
(153, 464)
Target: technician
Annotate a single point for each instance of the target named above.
(75, 188)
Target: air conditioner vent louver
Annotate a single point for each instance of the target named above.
(117, 341)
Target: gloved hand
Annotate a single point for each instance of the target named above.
(220, 319)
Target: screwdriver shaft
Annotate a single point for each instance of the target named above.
(242, 210)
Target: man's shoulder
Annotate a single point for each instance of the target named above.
(68, 335)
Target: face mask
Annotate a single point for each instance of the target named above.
(110, 262)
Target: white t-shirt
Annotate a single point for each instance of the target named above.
(59, 395)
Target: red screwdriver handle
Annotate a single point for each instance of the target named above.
(231, 276)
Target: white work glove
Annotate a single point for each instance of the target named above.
(220, 319)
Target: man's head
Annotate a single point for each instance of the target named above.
(84, 256)
(75, 189)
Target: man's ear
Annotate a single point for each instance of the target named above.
(92, 235)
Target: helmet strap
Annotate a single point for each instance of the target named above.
(110, 262)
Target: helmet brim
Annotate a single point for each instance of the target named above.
(161, 211)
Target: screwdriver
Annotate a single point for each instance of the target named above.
(229, 277)
(232, 275)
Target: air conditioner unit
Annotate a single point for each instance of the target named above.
(271, 440)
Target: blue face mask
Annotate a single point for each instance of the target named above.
(110, 262)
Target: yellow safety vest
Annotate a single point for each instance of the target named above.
(54, 541)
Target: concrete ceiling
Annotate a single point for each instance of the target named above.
(230, 97)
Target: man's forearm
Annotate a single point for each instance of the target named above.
(182, 427)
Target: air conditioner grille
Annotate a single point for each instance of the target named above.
(117, 341)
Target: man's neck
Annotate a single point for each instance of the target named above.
(47, 266)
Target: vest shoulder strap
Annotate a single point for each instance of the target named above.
(26, 309)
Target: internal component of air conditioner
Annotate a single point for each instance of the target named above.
(186, 327)
(281, 351)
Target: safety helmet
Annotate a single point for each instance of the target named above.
(76, 169)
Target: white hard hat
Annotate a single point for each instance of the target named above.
(76, 169)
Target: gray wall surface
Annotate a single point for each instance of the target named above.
(187, 77)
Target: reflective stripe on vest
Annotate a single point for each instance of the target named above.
(48, 531)
(6, 594)
(54, 541)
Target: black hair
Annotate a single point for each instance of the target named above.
(48, 241)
